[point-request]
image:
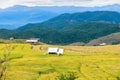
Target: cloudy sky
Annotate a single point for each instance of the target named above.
(7, 3)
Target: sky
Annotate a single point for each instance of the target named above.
(85, 3)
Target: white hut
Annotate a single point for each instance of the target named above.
(11, 38)
(33, 41)
(102, 44)
(58, 51)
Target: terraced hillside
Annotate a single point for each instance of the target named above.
(29, 62)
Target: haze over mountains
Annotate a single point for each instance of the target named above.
(16, 16)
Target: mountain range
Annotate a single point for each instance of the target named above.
(69, 28)
(16, 16)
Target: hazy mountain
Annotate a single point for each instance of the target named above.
(7, 26)
(21, 15)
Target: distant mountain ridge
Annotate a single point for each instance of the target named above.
(20, 15)
(68, 20)
(7, 26)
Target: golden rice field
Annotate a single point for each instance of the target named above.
(29, 62)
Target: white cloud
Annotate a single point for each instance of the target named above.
(7, 3)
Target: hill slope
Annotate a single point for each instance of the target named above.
(4, 33)
(110, 39)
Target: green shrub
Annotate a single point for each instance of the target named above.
(118, 78)
(67, 76)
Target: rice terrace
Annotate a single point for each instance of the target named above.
(30, 62)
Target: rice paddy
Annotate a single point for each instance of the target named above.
(30, 62)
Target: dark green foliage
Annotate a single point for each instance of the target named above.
(66, 76)
(83, 32)
(31, 47)
(118, 78)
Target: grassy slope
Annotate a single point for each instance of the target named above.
(109, 39)
(88, 63)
